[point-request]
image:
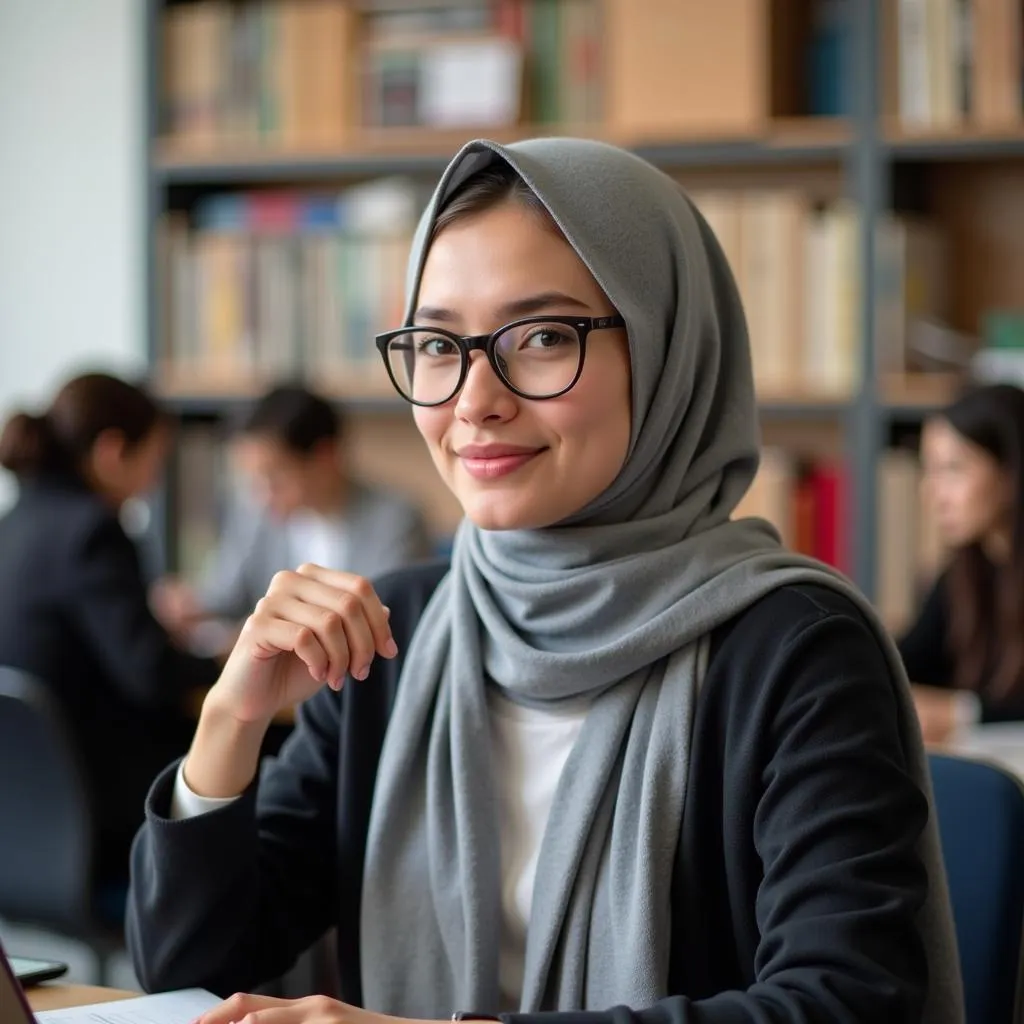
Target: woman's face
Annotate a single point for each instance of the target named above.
(286, 481)
(121, 470)
(517, 463)
(968, 489)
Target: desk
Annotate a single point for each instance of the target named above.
(1002, 742)
(55, 996)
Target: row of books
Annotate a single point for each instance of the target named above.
(307, 72)
(958, 61)
(796, 264)
(490, 64)
(262, 284)
(279, 70)
(808, 503)
(806, 500)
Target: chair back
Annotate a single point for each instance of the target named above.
(980, 810)
(46, 823)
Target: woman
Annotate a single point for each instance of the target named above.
(73, 608)
(624, 751)
(970, 665)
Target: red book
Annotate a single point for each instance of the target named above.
(274, 213)
(831, 491)
(509, 19)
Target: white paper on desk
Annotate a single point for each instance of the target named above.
(180, 1007)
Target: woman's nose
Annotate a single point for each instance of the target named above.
(483, 395)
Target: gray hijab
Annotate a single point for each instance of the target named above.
(615, 604)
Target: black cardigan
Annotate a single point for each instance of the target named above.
(796, 884)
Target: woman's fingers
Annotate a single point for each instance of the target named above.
(341, 612)
(246, 1009)
(273, 634)
(362, 590)
(237, 1007)
(344, 636)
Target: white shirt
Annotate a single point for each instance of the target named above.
(530, 748)
(322, 540)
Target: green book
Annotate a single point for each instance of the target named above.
(545, 51)
(1003, 328)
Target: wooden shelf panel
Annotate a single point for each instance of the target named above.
(798, 141)
(916, 396)
(405, 152)
(960, 144)
(802, 404)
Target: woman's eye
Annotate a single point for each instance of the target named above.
(438, 346)
(545, 337)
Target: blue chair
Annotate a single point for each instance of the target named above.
(980, 810)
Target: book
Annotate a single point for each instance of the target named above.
(180, 1007)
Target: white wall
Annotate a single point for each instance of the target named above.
(71, 193)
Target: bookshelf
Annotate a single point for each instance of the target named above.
(752, 113)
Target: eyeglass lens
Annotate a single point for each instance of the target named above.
(538, 359)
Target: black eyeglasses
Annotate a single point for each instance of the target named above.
(538, 357)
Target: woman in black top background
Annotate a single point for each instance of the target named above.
(73, 604)
(965, 652)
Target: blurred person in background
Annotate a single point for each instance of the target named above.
(965, 652)
(308, 508)
(73, 604)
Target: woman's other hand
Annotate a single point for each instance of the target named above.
(937, 713)
(174, 604)
(311, 1010)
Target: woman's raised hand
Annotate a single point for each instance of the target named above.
(313, 627)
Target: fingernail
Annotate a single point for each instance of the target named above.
(361, 673)
(387, 610)
(390, 648)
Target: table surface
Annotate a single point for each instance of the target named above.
(55, 996)
(1002, 742)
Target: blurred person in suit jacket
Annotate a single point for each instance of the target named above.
(73, 604)
(307, 509)
(965, 652)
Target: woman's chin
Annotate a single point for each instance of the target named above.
(504, 512)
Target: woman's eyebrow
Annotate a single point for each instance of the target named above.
(510, 310)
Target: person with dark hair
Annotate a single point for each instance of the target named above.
(73, 607)
(965, 651)
(625, 759)
(290, 446)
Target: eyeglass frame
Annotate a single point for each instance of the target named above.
(487, 343)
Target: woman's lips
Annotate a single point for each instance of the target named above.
(490, 462)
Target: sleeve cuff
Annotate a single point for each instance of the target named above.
(186, 804)
(966, 711)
